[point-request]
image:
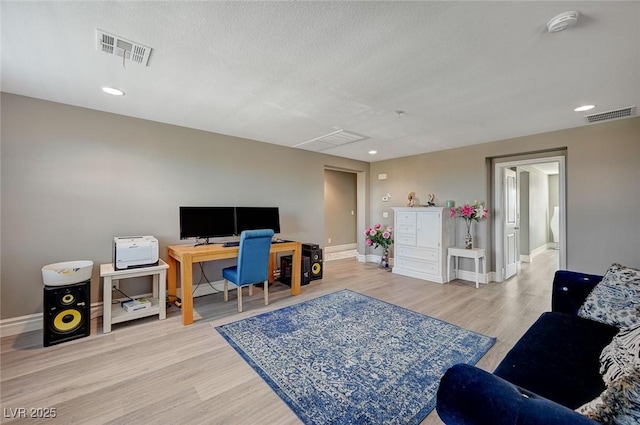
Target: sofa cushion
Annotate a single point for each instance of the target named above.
(619, 403)
(470, 396)
(559, 358)
(616, 299)
(621, 355)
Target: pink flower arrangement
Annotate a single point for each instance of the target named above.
(470, 212)
(377, 236)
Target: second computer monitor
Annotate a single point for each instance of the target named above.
(252, 218)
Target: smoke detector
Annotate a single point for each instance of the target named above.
(118, 46)
(563, 21)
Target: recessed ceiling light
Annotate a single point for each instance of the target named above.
(373, 152)
(584, 108)
(113, 91)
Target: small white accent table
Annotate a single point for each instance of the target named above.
(476, 254)
(114, 313)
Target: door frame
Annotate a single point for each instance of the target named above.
(498, 219)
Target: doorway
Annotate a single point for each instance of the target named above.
(529, 217)
(341, 213)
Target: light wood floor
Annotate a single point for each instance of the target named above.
(159, 372)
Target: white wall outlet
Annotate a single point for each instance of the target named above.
(385, 214)
(382, 176)
(329, 240)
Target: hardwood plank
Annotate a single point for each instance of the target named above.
(152, 371)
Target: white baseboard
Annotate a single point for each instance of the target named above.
(205, 289)
(338, 248)
(372, 258)
(471, 276)
(537, 251)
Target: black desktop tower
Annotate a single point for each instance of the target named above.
(286, 263)
(67, 312)
(314, 252)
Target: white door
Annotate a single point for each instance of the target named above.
(511, 215)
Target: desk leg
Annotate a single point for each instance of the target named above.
(106, 303)
(172, 286)
(448, 268)
(155, 286)
(186, 278)
(475, 261)
(457, 269)
(296, 269)
(272, 263)
(162, 293)
(484, 270)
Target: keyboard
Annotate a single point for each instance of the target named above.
(237, 243)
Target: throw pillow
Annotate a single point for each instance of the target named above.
(621, 355)
(616, 299)
(619, 403)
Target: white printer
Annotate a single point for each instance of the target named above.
(134, 251)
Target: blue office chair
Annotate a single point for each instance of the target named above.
(253, 264)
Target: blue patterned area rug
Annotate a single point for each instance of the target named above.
(346, 358)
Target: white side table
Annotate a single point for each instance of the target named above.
(476, 253)
(115, 313)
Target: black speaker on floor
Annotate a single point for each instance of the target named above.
(286, 264)
(67, 312)
(314, 252)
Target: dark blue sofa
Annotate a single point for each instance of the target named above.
(552, 369)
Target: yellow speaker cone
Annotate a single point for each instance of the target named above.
(67, 320)
(315, 269)
(68, 299)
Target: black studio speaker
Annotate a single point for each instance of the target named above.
(314, 252)
(67, 312)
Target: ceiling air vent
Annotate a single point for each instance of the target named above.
(118, 46)
(610, 115)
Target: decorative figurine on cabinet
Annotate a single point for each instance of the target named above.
(411, 197)
(430, 198)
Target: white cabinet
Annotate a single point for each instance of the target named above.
(421, 239)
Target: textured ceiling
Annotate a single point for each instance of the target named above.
(289, 72)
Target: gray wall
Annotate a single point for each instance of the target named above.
(539, 215)
(525, 225)
(603, 171)
(340, 209)
(74, 178)
(554, 200)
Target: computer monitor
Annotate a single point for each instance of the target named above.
(207, 222)
(251, 218)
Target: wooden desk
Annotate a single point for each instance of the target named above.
(186, 255)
